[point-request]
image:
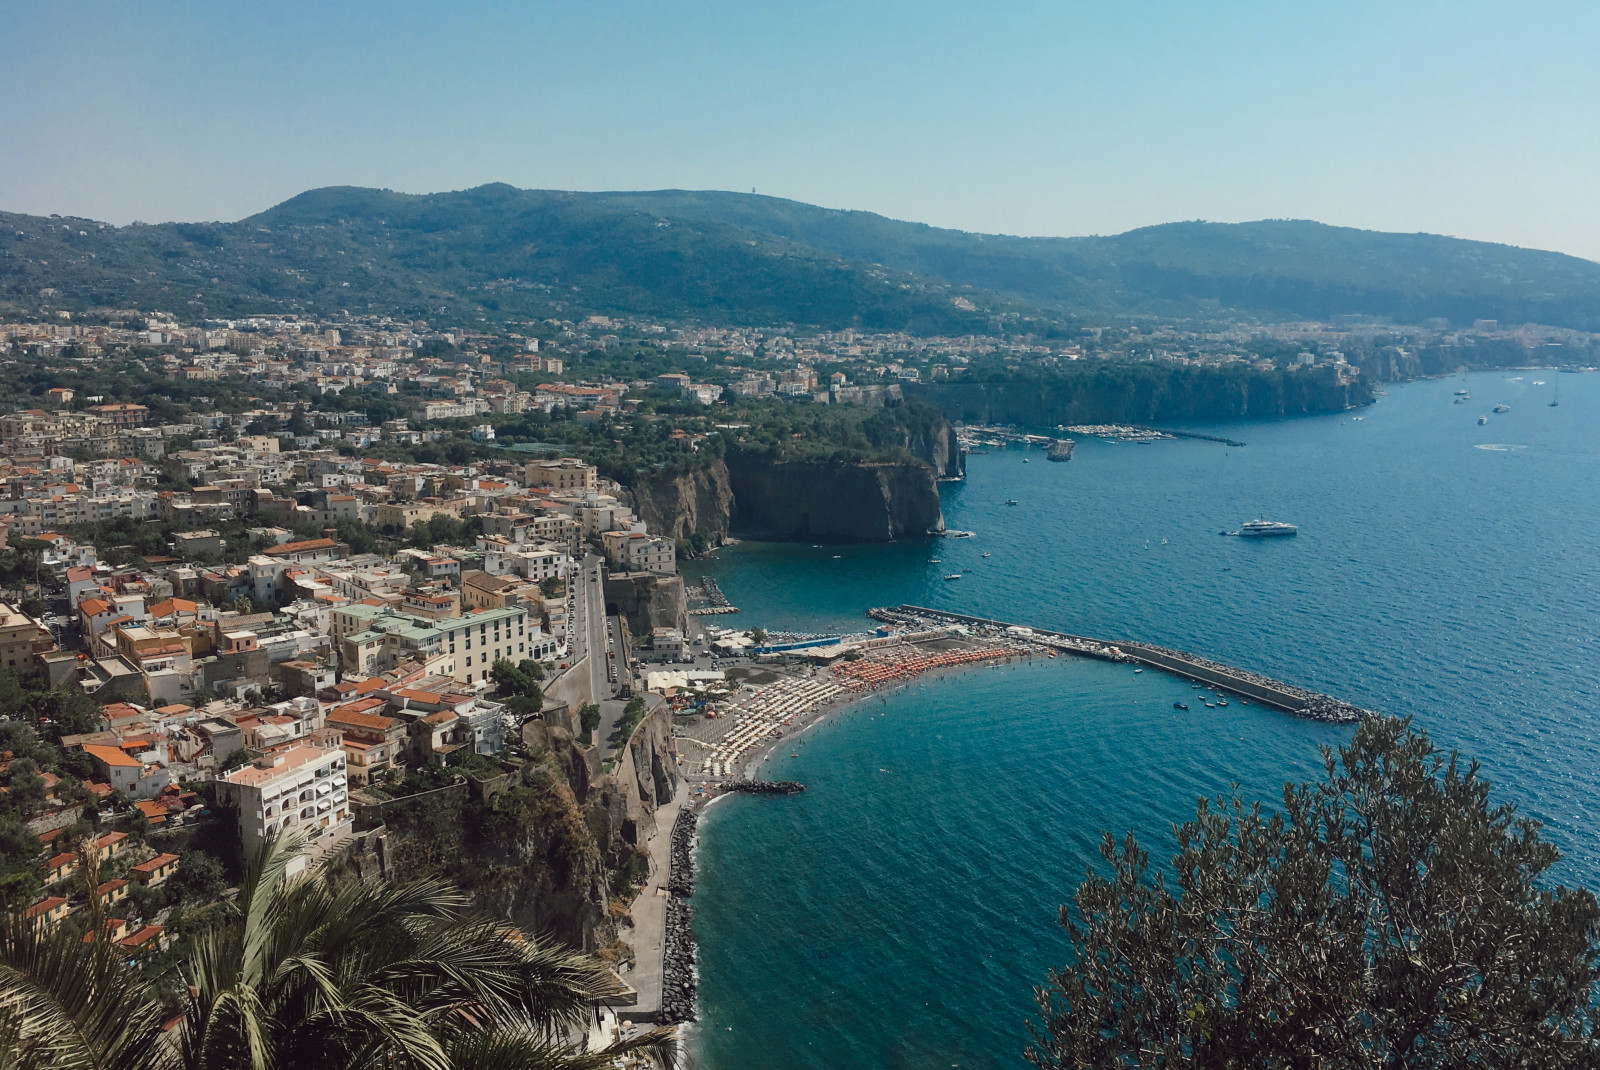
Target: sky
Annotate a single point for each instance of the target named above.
(1477, 120)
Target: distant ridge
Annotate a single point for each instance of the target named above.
(497, 251)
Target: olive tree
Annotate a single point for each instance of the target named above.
(1391, 915)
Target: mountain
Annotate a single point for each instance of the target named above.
(741, 258)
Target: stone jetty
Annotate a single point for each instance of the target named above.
(677, 954)
(765, 787)
(1059, 450)
(677, 972)
(680, 864)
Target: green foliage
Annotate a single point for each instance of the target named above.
(632, 714)
(552, 587)
(302, 972)
(200, 879)
(588, 721)
(1391, 915)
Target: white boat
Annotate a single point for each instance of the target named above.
(1266, 529)
(1502, 408)
(953, 576)
(1483, 419)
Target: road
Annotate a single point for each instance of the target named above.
(589, 632)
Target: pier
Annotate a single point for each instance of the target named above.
(1254, 686)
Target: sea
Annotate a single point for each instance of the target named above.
(901, 910)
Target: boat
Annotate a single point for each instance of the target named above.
(1180, 706)
(1138, 670)
(1012, 501)
(1222, 702)
(1266, 529)
(953, 576)
(1050, 653)
(1502, 408)
(1024, 460)
(986, 554)
(1483, 420)
(1557, 399)
(1462, 394)
(933, 560)
(1211, 705)
(1461, 401)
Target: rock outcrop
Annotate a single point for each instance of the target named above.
(647, 601)
(681, 507)
(814, 500)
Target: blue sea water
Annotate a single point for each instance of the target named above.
(898, 913)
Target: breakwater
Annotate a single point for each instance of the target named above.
(1251, 685)
(765, 787)
(677, 954)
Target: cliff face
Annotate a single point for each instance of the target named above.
(684, 506)
(762, 498)
(813, 500)
(647, 601)
(546, 852)
(1144, 396)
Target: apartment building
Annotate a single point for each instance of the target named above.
(565, 474)
(302, 788)
(628, 551)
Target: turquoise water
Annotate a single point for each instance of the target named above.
(898, 913)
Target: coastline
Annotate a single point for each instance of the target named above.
(752, 767)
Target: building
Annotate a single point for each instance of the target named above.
(156, 870)
(127, 774)
(122, 414)
(374, 639)
(373, 744)
(565, 474)
(22, 639)
(628, 551)
(300, 789)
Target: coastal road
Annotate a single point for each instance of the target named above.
(591, 629)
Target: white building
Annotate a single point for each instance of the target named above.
(302, 788)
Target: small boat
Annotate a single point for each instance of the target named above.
(953, 576)
(1502, 408)
(1050, 653)
(1012, 501)
(1211, 705)
(1462, 394)
(985, 555)
(1138, 670)
(1180, 706)
(1461, 401)
(933, 560)
(1483, 420)
(1024, 460)
(1222, 702)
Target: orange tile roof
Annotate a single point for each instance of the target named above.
(109, 755)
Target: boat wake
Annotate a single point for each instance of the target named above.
(1499, 447)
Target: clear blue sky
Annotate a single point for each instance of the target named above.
(1479, 120)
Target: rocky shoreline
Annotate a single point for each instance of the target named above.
(765, 787)
(678, 981)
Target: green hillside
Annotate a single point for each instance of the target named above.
(739, 258)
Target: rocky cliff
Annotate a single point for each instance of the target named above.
(550, 849)
(815, 500)
(1146, 394)
(647, 601)
(681, 507)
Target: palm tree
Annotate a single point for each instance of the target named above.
(367, 975)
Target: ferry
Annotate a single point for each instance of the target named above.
(1265, 529)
